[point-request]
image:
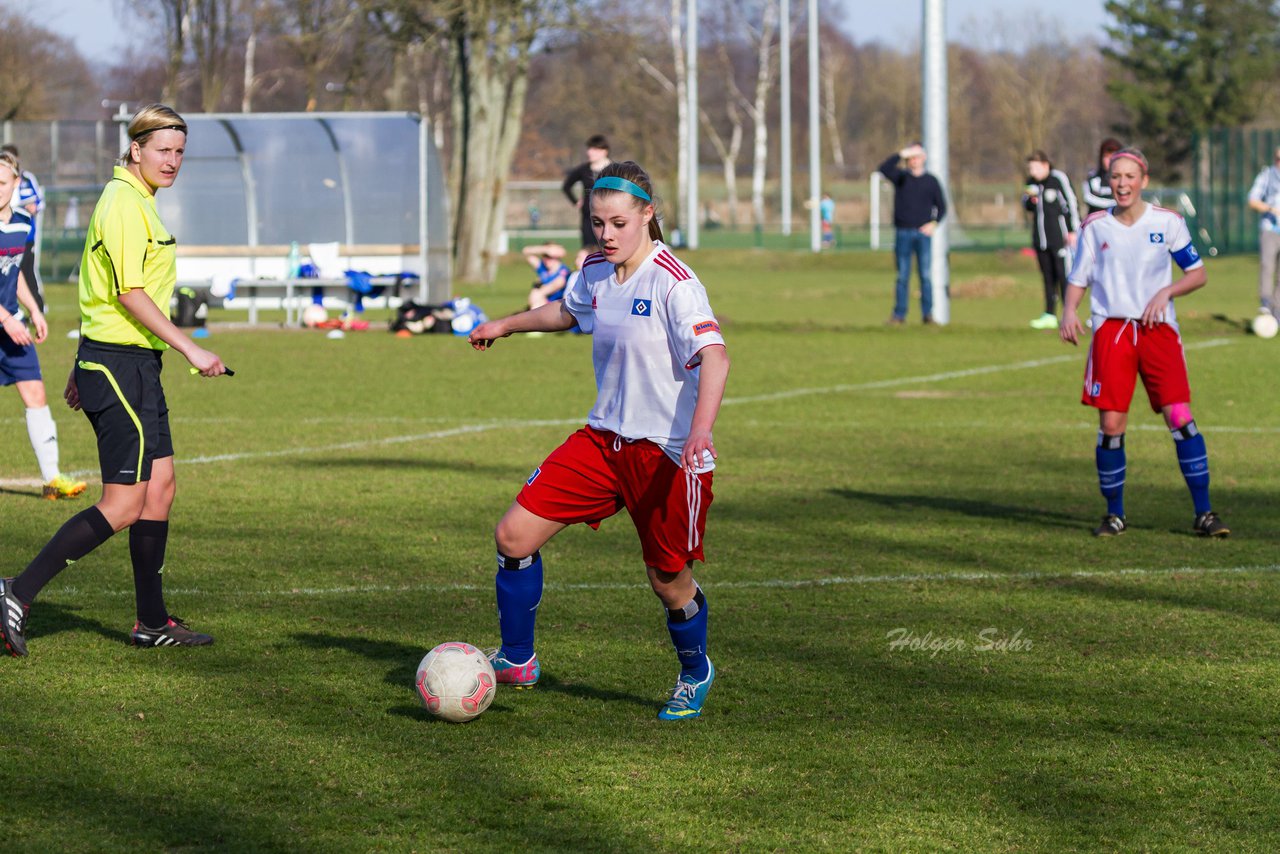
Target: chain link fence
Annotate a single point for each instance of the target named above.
(71, 160)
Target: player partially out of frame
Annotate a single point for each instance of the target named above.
(660, 367)
(19, 364)
(1123, 257)
(127, 276)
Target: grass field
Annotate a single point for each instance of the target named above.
(930, 486)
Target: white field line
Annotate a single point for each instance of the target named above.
(560, 422)
(768, 584)
(91, 474)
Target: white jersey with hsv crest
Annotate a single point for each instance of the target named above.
(647, 334)
(1125, 265)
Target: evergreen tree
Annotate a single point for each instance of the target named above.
(1187, 66)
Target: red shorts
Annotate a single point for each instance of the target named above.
(1121, 351)
(594, 474)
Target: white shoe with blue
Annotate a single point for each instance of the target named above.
(687, 697)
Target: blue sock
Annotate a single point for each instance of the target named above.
(519, 585)
(1193, 458)
(1111, 471)
(688, 628)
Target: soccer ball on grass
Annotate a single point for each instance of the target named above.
(314, 315)
(1265, 326)
(455, 682)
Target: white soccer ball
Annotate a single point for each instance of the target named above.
(314, 315)
(1265, 326)
(456, 682)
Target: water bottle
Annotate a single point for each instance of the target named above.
(295, 260)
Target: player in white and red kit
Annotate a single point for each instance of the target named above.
(660, 367)
(1123, 255)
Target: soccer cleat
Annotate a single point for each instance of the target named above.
(1111, 526)
(516, 675)
(13, 620)
(175, 633)
(1045, 321)
(687, 697)
(64, 487)
(1209, 525)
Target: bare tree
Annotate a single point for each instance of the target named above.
(207, 29)
(488, 44)
(762, 39)
(41, 71)
(833, 70)
(171, 16)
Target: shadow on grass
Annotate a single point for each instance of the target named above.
(50, 618)
(1234, 323)
(21, 493)
(402, 661)
(408, 464)
(964, 506)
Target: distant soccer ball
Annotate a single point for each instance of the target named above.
(1265, 326)
(456, 682)
(314, 315)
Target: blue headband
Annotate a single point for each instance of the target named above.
(614, 183)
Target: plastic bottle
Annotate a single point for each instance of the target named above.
(295, 260)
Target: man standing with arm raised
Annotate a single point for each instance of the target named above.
(918, 206)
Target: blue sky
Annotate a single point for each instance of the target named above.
(100, 28)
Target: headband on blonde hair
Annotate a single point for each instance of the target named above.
(1134, 155)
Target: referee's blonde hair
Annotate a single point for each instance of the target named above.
(147, 121)
(631, 171)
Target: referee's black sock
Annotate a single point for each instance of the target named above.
(81, 534)
(147, 540)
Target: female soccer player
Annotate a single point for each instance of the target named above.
(19, 365)
(661, 367)
(1124, 256)
(127, 275)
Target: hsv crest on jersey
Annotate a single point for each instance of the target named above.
(1156, 237)
(705, 326)
(640, 308)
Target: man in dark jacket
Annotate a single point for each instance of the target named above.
(919, 204)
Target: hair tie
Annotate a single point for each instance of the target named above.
(612, 182)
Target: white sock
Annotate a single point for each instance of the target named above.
(44, 441)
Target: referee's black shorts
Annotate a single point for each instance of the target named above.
(120, 391)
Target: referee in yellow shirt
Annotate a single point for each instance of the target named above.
(127, 276)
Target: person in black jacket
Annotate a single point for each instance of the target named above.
(586, 174)
(1097, 190)
(919, 204)
(1055, 223)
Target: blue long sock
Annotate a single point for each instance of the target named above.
(1193, 459)
(1111, 471)
(519, 586)
(688, 628)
